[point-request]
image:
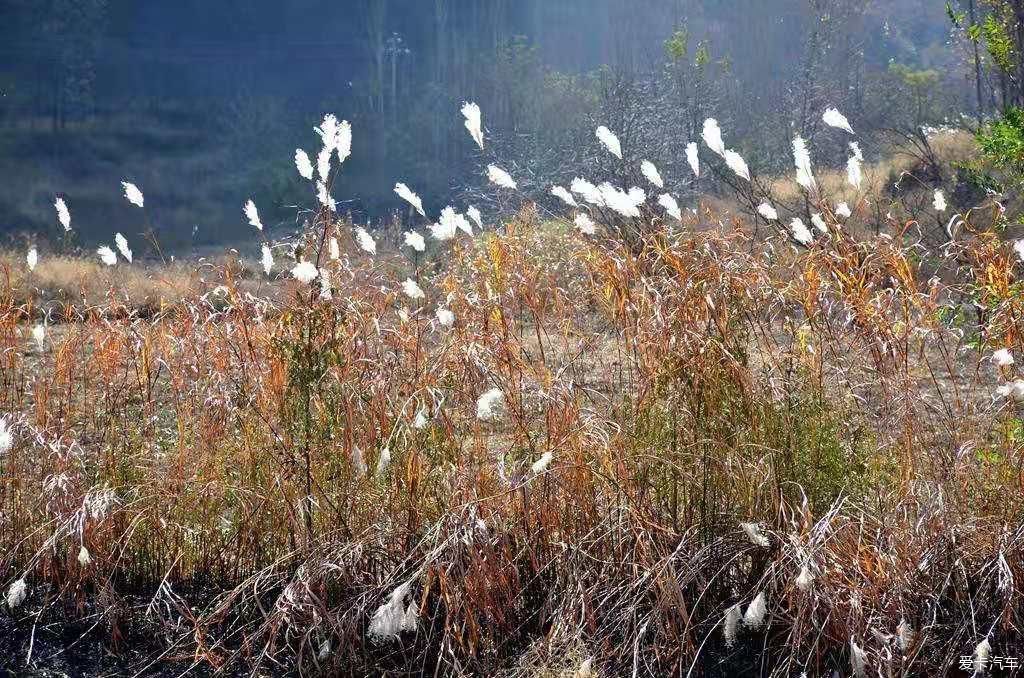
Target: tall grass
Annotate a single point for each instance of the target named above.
(267, 478)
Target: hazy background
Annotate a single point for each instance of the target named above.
(203, 103)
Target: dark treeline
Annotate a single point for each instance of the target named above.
(203, 103)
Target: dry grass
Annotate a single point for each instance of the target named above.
(832, 396)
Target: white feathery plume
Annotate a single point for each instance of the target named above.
(462, 223)
(833, 118)
(334, 250)
(804, 579)
(305, 272)
(365, 240)
(500, 177)
(854, 174)
(489, 404)
(253, 215)
(83, 556)
(343, 141)
(326, 291)
(415, 241)
(328, 131)
(39, 336)
(63, 214)
(474, 214)
(819, 223)
(855, 147)
(6, 436)
(107, 255)
(447, 225)
(358, 463)
(585, 224)
(802, 159)
(800, 232)
(324, 197)
(32, 258)
(737, 164)
(392, 617)
(671, 206)
(303, 164)
(981, 654)
(1018, 248)
(132, 194)
(731, 624)
(637, 195)
(407, 195)
(619, 201)
(564, 195)
(858, 659)
(939, 201)
(323, 163)
(843, 210)
(473, 123)
(383, 461)
(609, 141)
(712, 136)
(267, 260)
(905, 634)
(693, 158)
(542, 464)
(754, 534)
(1014, 390)
(766, 210)
(588, 191)
(1002, 358)
(420, 420)
(412, 290)
(753, 618)
(445, 318)
(651, 173)
(16, 593)
(335, 136)
(122, 247)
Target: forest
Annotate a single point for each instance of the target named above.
(95, 91)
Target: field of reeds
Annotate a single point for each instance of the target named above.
(530, 452)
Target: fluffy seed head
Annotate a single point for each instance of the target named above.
(712, 136)
(585, 224)
(609, 141)
(305, 272)
(564, 195)
(107, 255)
(303, 164)
(651, 173)
(415, 241)
(500, 177)
(122, 247)
(253, 215)
(16, 593)
(754, 617)
(63, 214)
(132, 194)
(407, 195)
(671, 206)
(489, 404)
(766, 210)
(412, 290)
(365, 241)
(473, 123)
(833, 118)
(693, 158)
